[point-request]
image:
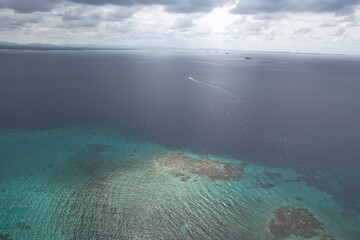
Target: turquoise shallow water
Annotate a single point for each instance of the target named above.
(87, 183)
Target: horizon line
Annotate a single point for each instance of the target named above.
(49, 46)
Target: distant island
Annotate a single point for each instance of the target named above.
(40, 46)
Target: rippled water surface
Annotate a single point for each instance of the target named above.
(81, 132)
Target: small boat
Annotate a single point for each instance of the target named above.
(248, 58)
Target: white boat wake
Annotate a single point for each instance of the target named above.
(213, 86)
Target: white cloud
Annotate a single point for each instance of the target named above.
(155, 25)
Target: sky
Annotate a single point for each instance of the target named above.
(320, 26)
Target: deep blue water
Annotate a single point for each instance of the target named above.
(288, 111)
(299, 108)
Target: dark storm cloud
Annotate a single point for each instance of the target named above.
(26, 6)
(10, 22)
(273, 6)
(85, 13)
(177, 6)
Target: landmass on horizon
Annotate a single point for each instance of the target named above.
(74, 47)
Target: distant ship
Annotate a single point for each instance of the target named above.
(248, 58)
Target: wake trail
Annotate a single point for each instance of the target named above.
(214, 86)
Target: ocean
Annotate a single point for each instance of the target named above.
(145, 144)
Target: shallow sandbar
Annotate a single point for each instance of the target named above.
(210, 168)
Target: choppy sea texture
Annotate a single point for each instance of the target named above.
(87, 183)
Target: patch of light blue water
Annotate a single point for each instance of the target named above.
(93, 184)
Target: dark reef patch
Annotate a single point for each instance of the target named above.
(266, 185)
(290, 220)
(210, 168)
(322, 183)
(331, 185)
(5, 237)
(185, 178)
(273, 175)
(85, 163)
(177, 174)
(181, 175)
(327, 237)
(23, 226)
(293, 180)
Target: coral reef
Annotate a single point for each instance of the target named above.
(185, 178)
(296, 221)
(24, 226)
(327, 237)
(177, 174)
(266, 185)
(273, 175)
(210, 168)
(5, 237)
(330, 184)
